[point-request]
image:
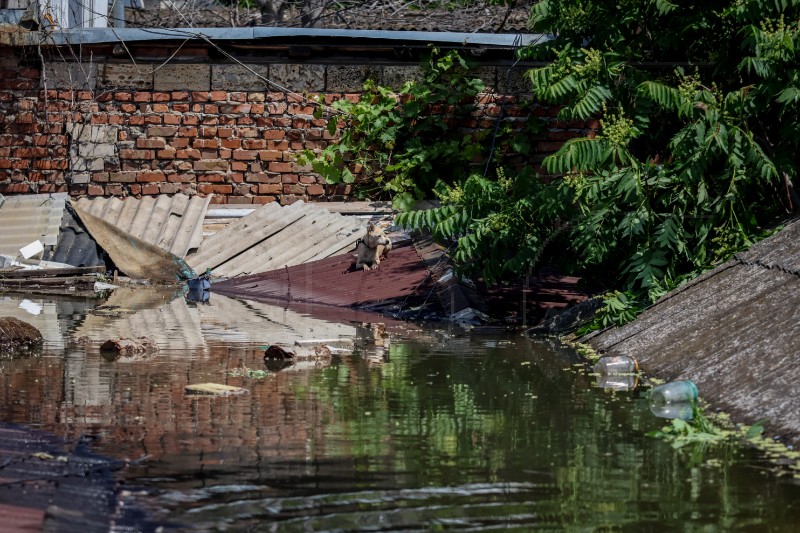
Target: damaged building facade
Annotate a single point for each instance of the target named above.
(222, 112)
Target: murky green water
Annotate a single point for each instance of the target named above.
(415, 428)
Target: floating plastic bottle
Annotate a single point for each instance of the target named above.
(682, 410)
(683, 391)
(674, 400)
(622, 382)
(616, 365)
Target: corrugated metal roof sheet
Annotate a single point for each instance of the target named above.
(172, 223)
(136, 257)
(28, 218)
(334, 281)
(273, 237)
(732, 331)
(75, 36)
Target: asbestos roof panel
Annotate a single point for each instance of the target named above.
(741, 317)
(28, 218)
(334, 281)
(174, 223)
(274, 237)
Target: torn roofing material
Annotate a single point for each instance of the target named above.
(172, 223)
(28, 218)
(273, 237)
(733, 331)
(135, 257)
(75, 245)
(402, 277)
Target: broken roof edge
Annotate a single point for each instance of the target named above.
(116, 35)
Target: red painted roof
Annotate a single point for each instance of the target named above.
(334, 281)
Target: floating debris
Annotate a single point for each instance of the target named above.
(129, 347)
(214, 389)
(14, 333)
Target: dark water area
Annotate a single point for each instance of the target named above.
(414, 428)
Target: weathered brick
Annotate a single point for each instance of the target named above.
(205, 143)
(162, 131)
(123, 177)
(315, 190)
(150, 189)
(231, 143)
(135, 154)
(211, 165)
(141, 142)
(245, 155)
(274, 135)
(270, 188)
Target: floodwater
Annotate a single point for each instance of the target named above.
(413, 428)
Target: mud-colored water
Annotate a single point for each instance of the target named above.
(415, 428)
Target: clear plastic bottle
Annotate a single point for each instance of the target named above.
(682, 410)
(614, 382)
(614, 365)
(683, 391)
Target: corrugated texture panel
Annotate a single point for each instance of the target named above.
(273, 237)
(779, 251)
(733, 332)
(334, 281)
(27, 218)
(229, 319)
(173, 223)
(173, 325)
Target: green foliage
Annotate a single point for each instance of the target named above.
(402, 143)
(618, 309)
(685, 166)
(699, 430)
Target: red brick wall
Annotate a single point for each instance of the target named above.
(240, 146)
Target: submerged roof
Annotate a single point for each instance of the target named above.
(274, 237)
(334, 281)
(733, 331)
(173, 223)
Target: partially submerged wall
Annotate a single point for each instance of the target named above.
(109, 126)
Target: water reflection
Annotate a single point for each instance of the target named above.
(414, 428)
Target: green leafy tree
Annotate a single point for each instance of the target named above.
(695, 152)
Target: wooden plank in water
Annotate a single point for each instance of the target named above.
(50, 272)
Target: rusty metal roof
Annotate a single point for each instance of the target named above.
(402, 278)
(28, 218)
(172, 223)
(733, 331)
(274, 237)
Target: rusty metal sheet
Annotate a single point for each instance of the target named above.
(334, 281)
(273, 237)
(174, 223)
(28, 218)
(138, 259)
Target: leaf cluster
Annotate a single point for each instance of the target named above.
(401, 143)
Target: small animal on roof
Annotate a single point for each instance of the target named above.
(372, 248)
